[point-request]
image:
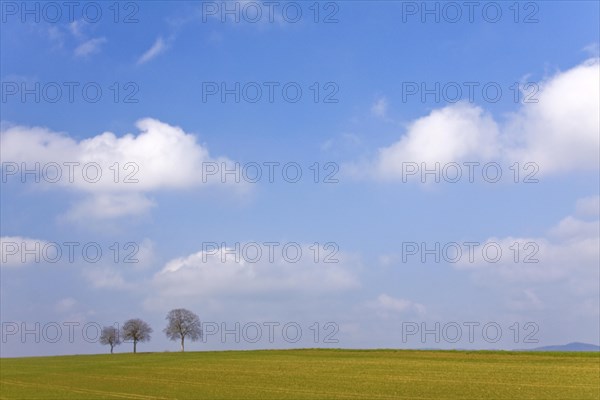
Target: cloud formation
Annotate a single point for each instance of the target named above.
(89, 47)
(565, 260)
(387, 306)
(559, 132)
(157, 48)
(217, 274)
(17, 251)
(115, 173)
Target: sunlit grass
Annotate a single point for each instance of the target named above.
(305, 374)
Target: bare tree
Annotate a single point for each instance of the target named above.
(110, 336)
(136, 330)
(183, 323)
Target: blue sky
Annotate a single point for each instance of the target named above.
(371, 130)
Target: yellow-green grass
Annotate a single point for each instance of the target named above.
(305, 374)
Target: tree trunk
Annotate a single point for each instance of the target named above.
(182, 338)
(134, 343)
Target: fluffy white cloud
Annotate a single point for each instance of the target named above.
(161, 156)
(567, 256)
(557, 269)
(560, 132)
(455, 133)
(117, 172)
(217, 275)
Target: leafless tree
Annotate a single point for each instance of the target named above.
(183, 323)
(110, 336)
(137, 331)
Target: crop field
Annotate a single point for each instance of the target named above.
(305, 374)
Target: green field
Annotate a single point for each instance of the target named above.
(305, 374)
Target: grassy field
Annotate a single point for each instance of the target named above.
(305, 374)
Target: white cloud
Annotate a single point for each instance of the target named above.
(142, 164)
(89, 47)
(526, 300)
(573, 259)
(144, 254)
(558, 268)
(593, 49)
(74, 32)
(206, 275)
(560, 132)
(571, 228)
(388, 306)
(18, 251)
(455, 133)
(158, 47)
(380, 107)
(76, 28)
(567, 256)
